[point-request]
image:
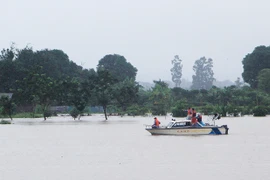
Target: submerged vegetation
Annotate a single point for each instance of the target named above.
(5, 122)
(39, 80)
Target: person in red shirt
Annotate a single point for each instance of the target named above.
(156, 123)
(189, 113)
(193, 119)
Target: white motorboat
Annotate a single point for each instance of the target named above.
(184, 127)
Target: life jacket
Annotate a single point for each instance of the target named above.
(194, 120)
(157, 122)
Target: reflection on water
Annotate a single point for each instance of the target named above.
(61, 148)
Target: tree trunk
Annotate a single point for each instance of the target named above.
(9, 114)
(33, 110)
(105, 111)
(44, 109)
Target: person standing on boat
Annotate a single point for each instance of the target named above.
(156, 123)
(193, 119)
(189, 113)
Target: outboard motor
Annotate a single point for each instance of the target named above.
(226, 128)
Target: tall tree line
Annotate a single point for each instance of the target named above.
(204, 75)
(49, 77)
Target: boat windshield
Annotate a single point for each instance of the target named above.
(170, 124)
(178, 124)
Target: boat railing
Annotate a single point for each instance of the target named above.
(147, 126)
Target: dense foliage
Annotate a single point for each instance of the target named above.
(259, 111)
(118, 66)
(160, 98)
(7, 107)
(254, 62)
(264, 80)
(45, 78)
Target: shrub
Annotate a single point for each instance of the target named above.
(47, 113)
(27, 115)
(74, 113)
(136, 110)
(180, 109)
(260, 111)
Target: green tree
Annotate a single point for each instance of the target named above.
(118, 67)
(126, 93)
(221, 99)
(176, 71)
(103, 89)
(259, 111)
(183, 95)
(74, 113)
(264, 80)
(253, 63)
(38, 89)
(56, 64)
(8, 70)
(8, 54)
(204, 75)
(142, 102)
(179, 110)
(8, 106)
(78, 95)
(161, 98)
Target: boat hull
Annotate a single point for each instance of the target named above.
(210, 130)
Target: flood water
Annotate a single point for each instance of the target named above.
(120, 149)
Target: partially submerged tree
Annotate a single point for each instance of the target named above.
(78, 95)
(38, 89)
(8, 107)
(114, 74)
(125, 93)
(74, 113)
(103, 90)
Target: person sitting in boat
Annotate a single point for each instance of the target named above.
(199, 119)
(156, 123)
(189, 113)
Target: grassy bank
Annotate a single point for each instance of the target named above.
(23, 115)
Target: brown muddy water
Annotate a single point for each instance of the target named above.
(121, 149)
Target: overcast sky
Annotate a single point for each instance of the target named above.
(148, 33)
